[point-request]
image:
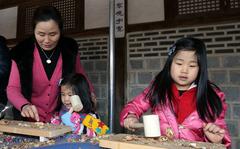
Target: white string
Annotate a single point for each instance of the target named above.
(48, 61)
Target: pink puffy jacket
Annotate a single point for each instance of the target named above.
(190, 129)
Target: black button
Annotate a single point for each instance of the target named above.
(49, 84)
(48, 94)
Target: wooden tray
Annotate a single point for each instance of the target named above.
(33, 128)
(118, 141)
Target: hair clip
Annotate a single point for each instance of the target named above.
(171, 49)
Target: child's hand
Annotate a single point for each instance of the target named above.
(130, 121)
(214, 133)
(70, 110)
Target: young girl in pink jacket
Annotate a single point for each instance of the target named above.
(186, 102)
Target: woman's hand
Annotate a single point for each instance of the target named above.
(30, 111)
(130, 121)
(214, 133)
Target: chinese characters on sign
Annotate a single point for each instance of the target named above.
(119, 18)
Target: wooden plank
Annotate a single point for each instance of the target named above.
(123, 145)
(33, 128)
(115, 142)
(128, 141)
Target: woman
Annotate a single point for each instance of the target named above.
(39, 63)
(5, 66)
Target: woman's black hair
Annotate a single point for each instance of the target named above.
(80, 87)
(209, 105)
(46, 13)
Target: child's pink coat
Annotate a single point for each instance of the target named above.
(190, 129)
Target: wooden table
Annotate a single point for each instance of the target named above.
(33, 128)
(118, 141)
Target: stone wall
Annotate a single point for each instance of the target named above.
(93, 51)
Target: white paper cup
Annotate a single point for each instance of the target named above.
(151, 126)
(76, 103)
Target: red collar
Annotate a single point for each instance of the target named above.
(185, 104)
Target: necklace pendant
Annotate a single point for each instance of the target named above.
(48, 61)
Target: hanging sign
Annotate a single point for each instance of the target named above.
(119, 18)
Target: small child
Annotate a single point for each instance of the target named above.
(75, 84)
(186, 102)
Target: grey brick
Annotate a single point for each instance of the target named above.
(148, 44)
(151, 33)
(213, 62)
(234, 77)
(144, 77)
(93, 48)
(236, 111)
(135, 45)
(136, 64)
(95, 39)
(134, 91)
(237, 44)
(160, 49)
(231, 61)
(186, 30)
(151, 55)
(215, 33)
(104, 92)
(237, 38)
(233, 128)
(88, 65)
(219, 76)
(159, 38)
(132, 78)
(237, 143)
(103, 78)
(136, 35)
(88, 44)
(223, 38)
(101, 65)
(144, 50)
(215, 45)
(234, 32)
(97, 91)
(135, 55)
(176, 36)
(169, 32)
(196, 35)
(224, 51)
(166, 42)
(102, 106)
(83, 49)
(153, 64)
(101, 43)
(143, 39)
(229, 111)
(232, 93)
(205, 28)
(223, 27)
(94, 78)
(207, 40)
(94, 57)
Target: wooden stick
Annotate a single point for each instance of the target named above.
(137, 125)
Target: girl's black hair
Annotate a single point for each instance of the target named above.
(80, 87)
(209, 105)
(46, 13)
